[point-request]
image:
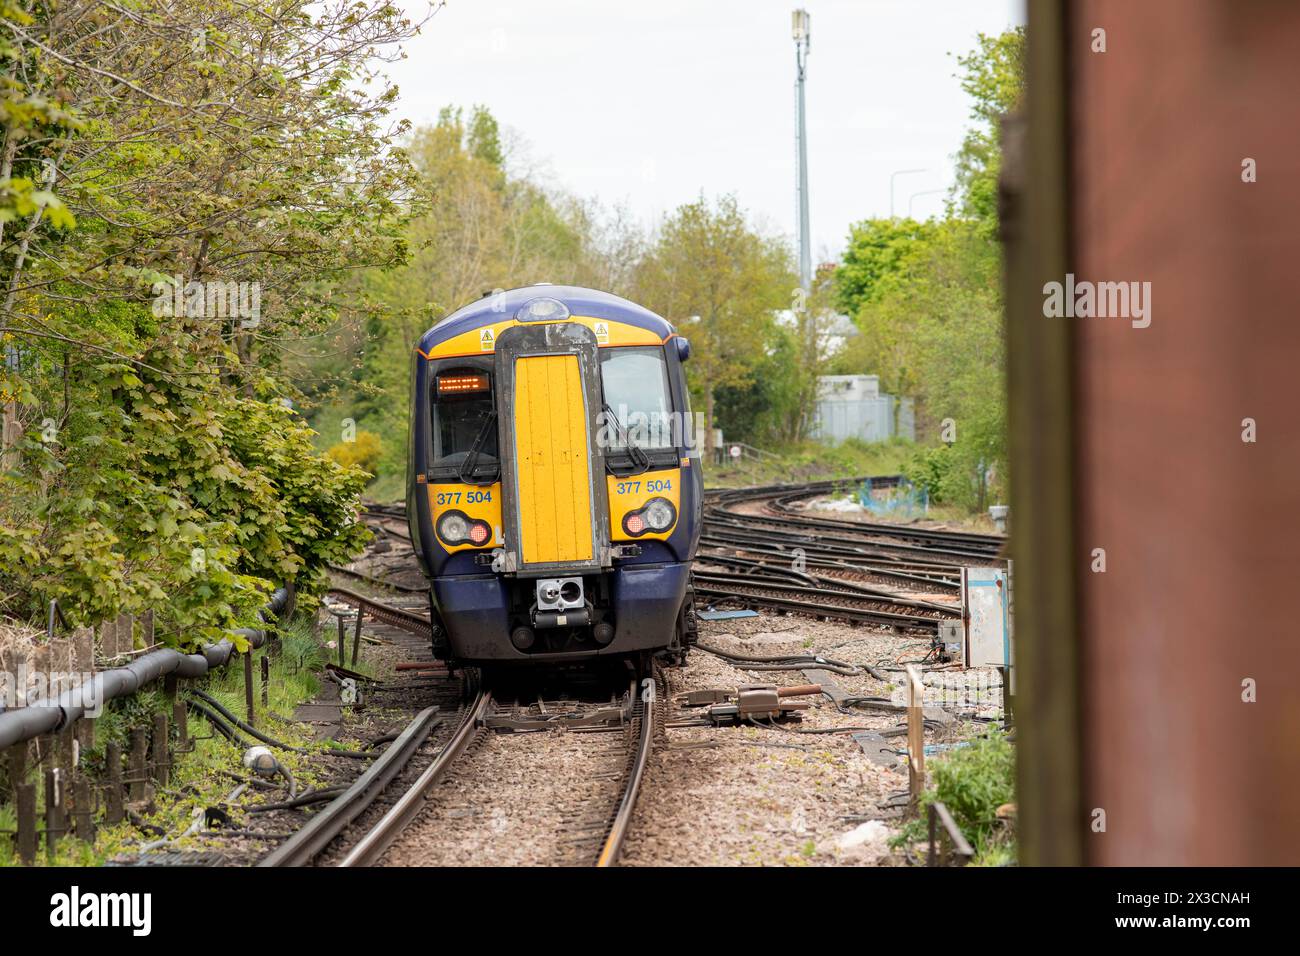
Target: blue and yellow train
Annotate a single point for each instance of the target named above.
(553, 495)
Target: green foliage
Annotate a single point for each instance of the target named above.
(157, 466)
(720, 281)
(972, 782)
(994, 77)
(879, 252)
(484, 138)
(764, 412)
(163, 492)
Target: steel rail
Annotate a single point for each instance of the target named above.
(765, 526)
(320, 831)
(613, 844)
(815, 609)
(813, 560)
(784, 505)
(377, 582)
(396, 616)
(381, 836)
(847, 599)
(829, 587)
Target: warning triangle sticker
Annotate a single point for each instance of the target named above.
(486, 340)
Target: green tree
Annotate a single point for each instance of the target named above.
(485, 228)
(720, 282)
(994, 77)
(193, 144)
(878, 250)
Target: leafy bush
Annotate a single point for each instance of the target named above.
(167, 489)
(972, 782)
(364, 453)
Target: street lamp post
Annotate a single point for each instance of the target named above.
(913, 198)
(899, 172)
(801, 24)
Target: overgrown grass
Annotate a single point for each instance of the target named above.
(972, 781)
(813, 461)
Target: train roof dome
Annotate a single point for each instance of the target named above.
(496, 307)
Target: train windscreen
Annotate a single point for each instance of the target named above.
(635, 381)
(464, 420)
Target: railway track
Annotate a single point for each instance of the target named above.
(759, 548)
(554, 778)
(826, 601)
(377, 810)
(594, 826)
(775, 555)
(617, 751)
(886, 576)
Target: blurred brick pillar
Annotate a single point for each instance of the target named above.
(1201, 531)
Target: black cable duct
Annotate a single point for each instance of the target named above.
(266, 739)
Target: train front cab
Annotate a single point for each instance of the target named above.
(577, 541)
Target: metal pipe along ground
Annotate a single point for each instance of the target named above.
(49, 716)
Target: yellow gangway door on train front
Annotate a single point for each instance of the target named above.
(551, 448)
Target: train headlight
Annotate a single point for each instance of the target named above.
(657, 514)
(455, 527)
(542, 309)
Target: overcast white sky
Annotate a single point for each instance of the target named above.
(650, 103)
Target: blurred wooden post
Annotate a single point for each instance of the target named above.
(162, 761)
(113, 810)
(137, 766)
(248, 688)
(17, 765)
(915, 734)
(171, 683)
(356, 638)
(25, 808)
(181, 718)
(266, 679)
(83, 810)
(342, 641)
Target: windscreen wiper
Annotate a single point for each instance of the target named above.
(471, 458)
(634, 451)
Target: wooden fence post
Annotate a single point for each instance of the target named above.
(25, 807)
(113, 802)
(54, 810)
(915, 735)
(356, 638)
(162, 760)
(83, 810)
(248, 688)
(137, 765)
